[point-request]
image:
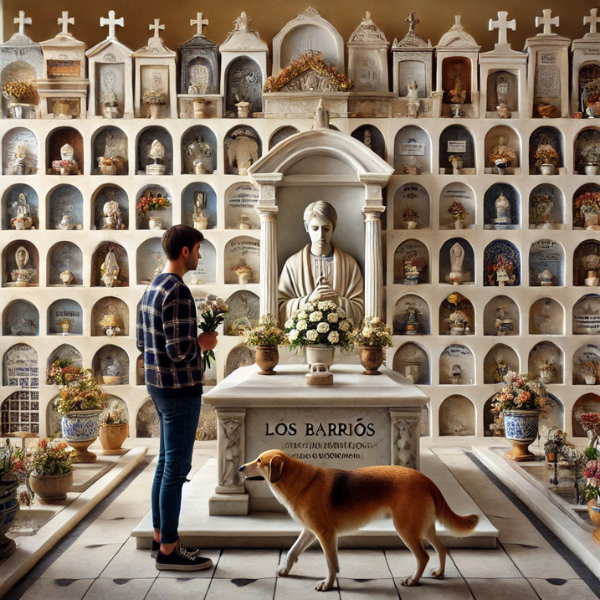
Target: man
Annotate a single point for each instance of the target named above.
(166, 334)
(321, 271)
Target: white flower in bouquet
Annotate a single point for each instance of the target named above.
(302, 326)
(367, 332)
(293, 335)
(307, 307)
(302, 315)
(333, 318)
(316, 316)
(323, 327)
(289, 324)
(344, 325)
(341, 313)
(333, 337)
(312, 335)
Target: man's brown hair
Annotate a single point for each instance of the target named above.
(178, 237)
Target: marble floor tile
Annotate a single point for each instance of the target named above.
(82, 562)
(502, 589)
(108, 531)
(540, 562)
(183, 587)
(301, 587)
(58, 589)
(436, 589)
(363, 564)
(367, 589)
(214, 555)
(130, 562)
(559, 589)
(126, 509)
(119, 589)
(248, 589)
(484, 564)
(403, 563)
(247, 564)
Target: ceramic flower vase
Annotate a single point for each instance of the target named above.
(547, 169)
(112, 438)
(521, 429)
(49, 489)
(80, 430)
(371, 358)
(319, 353)
(591, 169)
(267, 358)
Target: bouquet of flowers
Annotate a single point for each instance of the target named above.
(372, 332)
(149, 202)
(51, 458)
(545, 154)
(62, 372)
(212, 313)
(503, 154)
(502, 264)
(113, 415)
(13, 463)
(82, 394)
(21, 90)
(590, 423)
(458, 211)
(588, 202)
(157, 96)
(265, 332)
(521, 392)
(592, 474)
(410, 214)
(321, 322)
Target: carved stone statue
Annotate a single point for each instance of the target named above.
(243, 150)
(321, 120)
(321, 271)
(112, 216)
(502, 207)
(21, 275)
(412, 100)
(22, 218)
(109, 270)
(457, 257)
(367, 139)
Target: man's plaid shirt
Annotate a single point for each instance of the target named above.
(167, 334)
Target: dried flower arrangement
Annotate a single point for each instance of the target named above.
(150, 202)
(545, 154)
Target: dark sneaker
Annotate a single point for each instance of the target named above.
(155, 549)
(182, 559)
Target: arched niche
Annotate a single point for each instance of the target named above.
(53, 419)
(456, 365)
(547, 362)
(198, 147)
(63, 310)
(586, 206)
(372, 138)
(150, 260)
(411, 316)
(452, 196)
(64, 201)
(502, 207)
(586, 149)
(585, 73)
(103, 195)
(243, 251)
(507, 83)
(456, 140)
(586, 262)
(552, 418)
(20, 317)
(111, 365)
(412, 205)
(113, 402)
(586, 315)
(20, 152)
(455, 247)
(145, 139)
(457, 67)
(240, 356)
(240, 207)
(588, 403)
(282, 134)
(103, 280)
(546, 146)
(20, 198)
(457, 416)
(140, 375)
(62, 257)
(22, 70)
(206, 271)
(546, 264)
(546, 207)
(11, 277)
(412, 151)
(244, 309)
(56, 140)
(412, 361)
(243, 83)
(195, 196)
(243, 147)
(118, 313)
(165, 215)
(586, 365)
(20, 412)
(499, 360)
(20, 367)
(501, 264)
(457, 316)
(411, 263)
(147, 424)
(110, 143)
(502, 142)
(501, 316)
(493, 421)
(546, 317)
(65, 352)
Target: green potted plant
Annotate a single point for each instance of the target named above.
(113, 429)
(51, 474)
(371, 338)
(266, 336)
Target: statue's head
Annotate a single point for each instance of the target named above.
(320, 220)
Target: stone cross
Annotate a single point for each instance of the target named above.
(112, 23)
(200, 22)
(21, 20)
(157, 28)
(502, 25)
(65, 22)
(547, 21)
(412, 21)
(592, 21)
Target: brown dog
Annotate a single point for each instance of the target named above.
(332, 502)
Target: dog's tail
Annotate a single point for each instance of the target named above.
(459, 526)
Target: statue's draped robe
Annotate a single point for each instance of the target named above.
(297, 283)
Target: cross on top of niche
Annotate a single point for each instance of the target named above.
(22, 20)
(112, 23)
(157, 28)
(502, 25)
(547, 21)
(199, 22)
(592, 21)
(65, 21)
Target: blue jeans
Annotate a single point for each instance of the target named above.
(178, 412)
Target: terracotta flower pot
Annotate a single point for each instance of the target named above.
(49, 489)
(371, 358)
(267, 358)
(112, 437)
(594, 512)
(521, 428)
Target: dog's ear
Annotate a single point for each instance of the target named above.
(276, 468)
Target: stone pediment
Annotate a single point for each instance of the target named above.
(368, 33)
(243, 38)
(457, 37)
(19, 40)
(110, 46)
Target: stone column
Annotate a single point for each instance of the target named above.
(373, 252)
(406, 436)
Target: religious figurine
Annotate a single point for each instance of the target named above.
(321, 120)
(112, 216)
(367, 139)
(22, 275)
(502, 90)
(243, 150)
(504, 324)
(67, 277)
(109, 270)
(457, 257)
(200, 219)
(110, 106)
(244, 221)
(157, 154)
(20, 160)
(502, 207)
(458, 322)
(412, 324)
(547, 372)
(546, 278)
(23, 217)
(412, 100)
(67, 165)
(591, 262)
(458, 96)
(65, 325)
(503, 111)
(321, 271)
(65, 223)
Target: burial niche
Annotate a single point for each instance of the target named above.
(20, 152)
(501, 264)
(501, 316)
(150, 261)
(412, 361)
(110, 266)
(588, 403)
(21, 263)
(243, 84)
(586, 155)
(546, 151)
(154, 208)
(283, 133)
(456, 366)
(64, 352)
(586, 264)
(493, 420)
(457, 207)
(65, 265)
(412, 207)
(411, 263)
(20, 317)
(110, 365)
(457, 151)
(457, 262)
(65, 317)
(20, 367)
(547, 363)
(199, 206)
(411, 316)
(64, 208)
(412, 151)
(457, 316)
(457, 416)
(242, 260)
(586, 365)
(154, 151)
(502, 151)
(546, 207)
(498, 362)
(372, 138)
(198, 151)
(20, 412)
(206, 271)
(240, 356)
(586, 207)
(240, 207)
(64, 152)
(501, 207)
(546, 264)
(110, 152)
(547, 317)
(20, 208)
(110, 208)
(110, 317)
(502, 88)
(243, 148)
(586, 315)
(244, 309)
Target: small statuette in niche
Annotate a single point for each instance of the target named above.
(110, 106)
(547, 372)
(67, 277)
(591, 262)
(198, 149)
(112, 372)
(413, 103)
(65, 325)
(22, 275)
(457, 257)
(546, 278)
(23, 214)
(502, 208)
(411, 322)
(243, 150)
(200, 219)
(157, 154)
(109, 270)
(66, 224)
(112, 216)
(501, 370)
(67, 165)
(504, 323)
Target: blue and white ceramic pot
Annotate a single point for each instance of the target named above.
(80, 430)
(9, 509)
(521, 428)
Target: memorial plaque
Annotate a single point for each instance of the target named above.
(57, 69)
(457, 146)
(240, 212)
(65, 309)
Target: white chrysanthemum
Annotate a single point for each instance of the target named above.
(302, 325)
(342, 313)
(344, 325)
(316, 316)
(302, 315)
(323, 327)
(323, 305)
(293, 335)
(289, 323)
(367, 333)
(312, 335)
(332, 318)
(333, 337)
(308, 306)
